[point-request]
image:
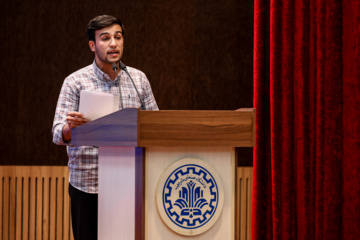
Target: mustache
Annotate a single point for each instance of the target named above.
(113, 51)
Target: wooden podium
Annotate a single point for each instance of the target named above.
(135, 147)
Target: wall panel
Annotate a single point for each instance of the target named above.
(196, 54)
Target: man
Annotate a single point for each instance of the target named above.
(106, 40)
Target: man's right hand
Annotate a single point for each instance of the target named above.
(73, 119)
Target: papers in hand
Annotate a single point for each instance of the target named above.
(97, 104)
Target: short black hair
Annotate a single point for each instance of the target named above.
(100, 22)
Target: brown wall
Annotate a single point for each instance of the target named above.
(196, 54)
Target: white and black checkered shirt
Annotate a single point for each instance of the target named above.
(83, 160)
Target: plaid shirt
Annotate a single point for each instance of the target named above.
(83, 160)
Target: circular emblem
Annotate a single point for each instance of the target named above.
(189, 196)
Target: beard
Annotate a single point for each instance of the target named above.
(107, 58)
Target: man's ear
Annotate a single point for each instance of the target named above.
(92, 45)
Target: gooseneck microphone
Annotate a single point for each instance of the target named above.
(123, 67)
(115, 68)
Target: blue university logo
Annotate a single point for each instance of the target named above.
(190, 195)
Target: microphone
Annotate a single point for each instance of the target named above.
(115, 68)
(123, 67)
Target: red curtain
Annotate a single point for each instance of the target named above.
(307, 99)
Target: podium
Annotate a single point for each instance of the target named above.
(137, 147)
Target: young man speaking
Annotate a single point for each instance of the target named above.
(106, 40)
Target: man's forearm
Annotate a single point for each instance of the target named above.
(66, 133)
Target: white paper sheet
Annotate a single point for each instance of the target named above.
(96, 104)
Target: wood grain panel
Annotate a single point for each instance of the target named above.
(196, 128)
(131, 127)
(35, 203)
(22, 213)
(243, 203)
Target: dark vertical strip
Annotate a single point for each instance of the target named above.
(351, 120)
(247, 208)
(29, 191)
(42, 206)
(319, 118)
(22, 208)
(139, 194)
(48, 205)
(312, 114)
(2, 208)
(36, 206)
(69, 220)
(63, 208)
(302, 158)
(239, 212)
(285, 143)
(275, 114)
(333, 101)
(9, 212)
(261, 200)
(56, 208)
(16, 206)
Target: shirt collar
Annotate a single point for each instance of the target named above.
(100, 74)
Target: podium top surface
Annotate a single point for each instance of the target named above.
(134, 128)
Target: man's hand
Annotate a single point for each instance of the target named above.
(73, 119)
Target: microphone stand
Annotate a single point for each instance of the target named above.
(123, 67)
(115, 68)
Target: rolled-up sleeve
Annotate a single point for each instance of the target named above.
(68, 102)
